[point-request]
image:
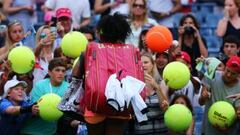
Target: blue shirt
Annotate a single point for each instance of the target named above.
(37, 126)
(11, 124)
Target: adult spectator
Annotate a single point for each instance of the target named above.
(43, 52)
(155, 123)
(162, 11)
(190, 39)
(138, 19)
(80, 10)
(64, 22)
(14, 36)
(222, 85)
(230, 23)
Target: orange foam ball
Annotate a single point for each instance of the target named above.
(159, 38)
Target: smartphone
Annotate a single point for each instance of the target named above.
(54, 30)
(54, 22)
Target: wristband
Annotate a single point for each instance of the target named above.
(26, 109)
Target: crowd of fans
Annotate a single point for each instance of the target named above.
(41, 25)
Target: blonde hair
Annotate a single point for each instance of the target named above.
(154, 72)
(38, 34)
(144, 14)
(9, 44)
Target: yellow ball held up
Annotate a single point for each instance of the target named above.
(48, 110)
(22, 59)
(73, 43)
(176, 75)
(222, 114)
(178, 118)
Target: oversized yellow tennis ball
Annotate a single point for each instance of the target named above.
(22, 59)
(73, 43)
(178, 118)
(176, 75)
(48, 107)
(222, 114)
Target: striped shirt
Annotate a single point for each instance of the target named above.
(155, 124)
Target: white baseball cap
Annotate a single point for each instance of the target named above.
(12, 83)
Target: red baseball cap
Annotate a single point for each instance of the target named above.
(234, 63)
(63, 12)
(185, 56)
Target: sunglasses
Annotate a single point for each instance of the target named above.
(14, 22)
(138, 5)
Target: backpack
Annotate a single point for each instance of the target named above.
(103, 60)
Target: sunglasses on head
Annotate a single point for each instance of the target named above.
(14, 22)
(139, 5)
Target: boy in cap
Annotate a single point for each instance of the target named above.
(224, 84)
(13, 108)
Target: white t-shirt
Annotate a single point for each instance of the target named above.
(40, 73)
(134, 37)
(80, 8)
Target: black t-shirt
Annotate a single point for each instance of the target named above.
(194, 53)
(231, 30)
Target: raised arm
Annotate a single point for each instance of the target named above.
(7, 8)
(222, 24)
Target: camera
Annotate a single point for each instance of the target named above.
(188, 30)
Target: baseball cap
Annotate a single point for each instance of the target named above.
(185, 56)
(11, 84)
(234, 64)
(63, 12)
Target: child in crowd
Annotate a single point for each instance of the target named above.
(183, 99)
(13, 108)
